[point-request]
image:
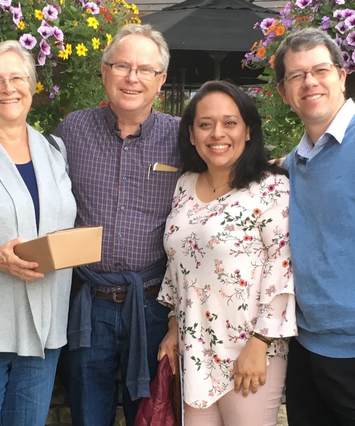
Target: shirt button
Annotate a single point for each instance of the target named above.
(124, 178)
(122, 208)
(125, 148)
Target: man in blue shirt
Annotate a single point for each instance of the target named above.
(321, 370)
(115, 321)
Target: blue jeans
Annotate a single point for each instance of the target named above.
(90, 374)
(26, 384)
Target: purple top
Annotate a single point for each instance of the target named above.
(112, 185)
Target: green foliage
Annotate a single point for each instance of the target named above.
(282, 128)
(67, 38)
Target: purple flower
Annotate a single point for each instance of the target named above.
(249, 57)
(339, 41)
(50, 13)
(268, 39)
(325, 24)
(341, 27)
(350, 39)
(287, 22)
(350, 22)
(346, 56)
(45, 47)
(339, 1)
(41, 59)
(353, 56)
(266, 23)
(302, 4)
(95, 10)
(58, 34)
(28, 41)
(16, 14)
(343, 13)
(54, 91)
(45, 30)
(286, 11)
(4, 4)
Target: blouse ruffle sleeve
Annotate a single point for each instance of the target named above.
(276, 313)
(168, 290)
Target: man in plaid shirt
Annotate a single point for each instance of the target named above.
(115, 321)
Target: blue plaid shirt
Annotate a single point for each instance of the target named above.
(112, 185)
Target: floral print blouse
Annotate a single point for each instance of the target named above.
(228, 274)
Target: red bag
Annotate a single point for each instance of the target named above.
(159, 410)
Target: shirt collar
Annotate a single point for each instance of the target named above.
(336, 129)
(143, 130)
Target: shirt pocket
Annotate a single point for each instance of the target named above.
(158, 190)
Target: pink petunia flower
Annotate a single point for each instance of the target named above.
(16, 14)
(341, 27)
(350, 22)
(41, 59)
(50, 13)
(92, 7)
(302, 4)
(28, 41)
(58, 34)
(45, 30)
(266, 23)
(5, 4)
(350, 38)
(45, 47)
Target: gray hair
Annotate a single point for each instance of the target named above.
(305, 39)
(145, 31)
(26, 57)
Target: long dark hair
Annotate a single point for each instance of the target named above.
(252, 165)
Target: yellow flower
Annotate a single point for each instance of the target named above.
(108, 38)
(95, 43)
(39, 14)
(39, 87)
(135, 9)
(81, 49)
(134, 20)
(21, 25)
(61, 2)
(65, 53)
(92, 22)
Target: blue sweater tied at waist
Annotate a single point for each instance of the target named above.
(79, 328)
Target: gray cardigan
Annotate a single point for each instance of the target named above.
(33, 316)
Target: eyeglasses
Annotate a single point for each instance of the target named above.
(123, 70)
(319, 72)
(15, 81)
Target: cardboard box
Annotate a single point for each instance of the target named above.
(63, 249)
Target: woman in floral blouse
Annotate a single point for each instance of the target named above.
(229, 279)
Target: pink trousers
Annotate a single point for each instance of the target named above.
(233, 409)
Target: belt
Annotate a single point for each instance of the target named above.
(120, 296)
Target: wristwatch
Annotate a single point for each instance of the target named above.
(267, 340)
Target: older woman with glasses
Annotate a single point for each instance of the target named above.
(35, 198)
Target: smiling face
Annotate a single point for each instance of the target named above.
(15, 99)
(218, 132)
(315, 101)
(128, 94)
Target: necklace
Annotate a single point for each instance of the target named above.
(213, 188)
